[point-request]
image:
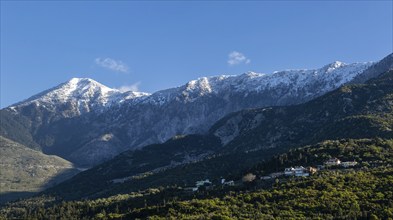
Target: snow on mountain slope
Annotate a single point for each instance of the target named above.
(322, 80)
(81, 94)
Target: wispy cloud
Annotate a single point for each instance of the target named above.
(236, 58)
(133, 87)
(114, 65)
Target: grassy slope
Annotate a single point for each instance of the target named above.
(25, 170)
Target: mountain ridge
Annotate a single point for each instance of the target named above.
(80, 85)
(82, 90)
(155, 118)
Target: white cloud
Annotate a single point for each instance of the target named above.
(235, 58)
(115, 65)
(133, 87)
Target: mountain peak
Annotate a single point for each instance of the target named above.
(332, 66)
(82, 94)
(75, 83)
(251, 74)
(338, 63)
(76, 80)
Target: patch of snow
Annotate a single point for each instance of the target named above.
(83, 93)
(328, 77)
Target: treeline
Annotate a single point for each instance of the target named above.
(330, 195)
(365, 194)
(367, 152)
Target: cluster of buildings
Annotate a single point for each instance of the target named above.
(307, 171)
(298, 171)
(292, 171)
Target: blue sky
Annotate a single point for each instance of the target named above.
(155, 45)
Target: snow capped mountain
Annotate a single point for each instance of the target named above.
(81, 95)
(86, 95)
(133, 120)
(321, 80)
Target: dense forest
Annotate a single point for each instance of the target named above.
(362, 192)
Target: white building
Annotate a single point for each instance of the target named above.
(349, 164)
(333, 162)
(289, 171)
(301, 171)
(227, 183)
(296, 171)
(202, 183)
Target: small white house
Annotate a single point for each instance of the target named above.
(349, 164)
(301, 171)
(296, 171)
(202, 183)
(229, 183)
(333, 162)
(289, 171)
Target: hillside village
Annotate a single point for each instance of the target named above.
(296, 171)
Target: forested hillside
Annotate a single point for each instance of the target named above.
(363, 192)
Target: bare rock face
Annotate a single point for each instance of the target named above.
(88, 123)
